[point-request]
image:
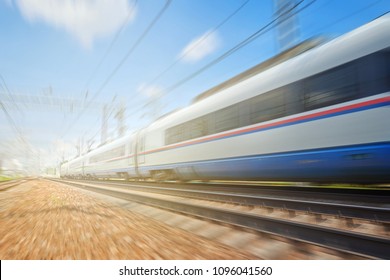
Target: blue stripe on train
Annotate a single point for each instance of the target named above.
(277, 124)
(369, 163)
(326, 116)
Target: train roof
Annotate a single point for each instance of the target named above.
(273, 61)
(102, 148)
(366, 39)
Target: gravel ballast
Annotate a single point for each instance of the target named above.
(44, 220)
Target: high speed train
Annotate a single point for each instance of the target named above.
(321, 116)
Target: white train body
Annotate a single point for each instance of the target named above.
(111, 160)
(323, 115)
(73, 168)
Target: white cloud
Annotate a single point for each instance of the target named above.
(84, 19)
(151, 91)
(200, 47)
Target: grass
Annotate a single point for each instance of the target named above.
(4, 178)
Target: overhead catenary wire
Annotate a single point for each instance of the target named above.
(262, 31)
(350, 15)
(232, 50)
(267, 29)
(113, 41)
(15, 127)
(208, 34)
(10, 94)
(240, 45)
(105, 55)
(121, 62)
(140, 107)
(182, 56)
(11, 121)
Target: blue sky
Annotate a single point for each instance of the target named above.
(53, 48)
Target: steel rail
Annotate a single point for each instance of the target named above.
(341, 240)
(373, 196)
(11, 183)
(378, 214)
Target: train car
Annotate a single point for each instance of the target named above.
(64, 169)
(321, 116)
(113, 160)
(73, 169)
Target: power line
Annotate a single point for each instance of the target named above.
(120, 64)
(240, 45)
(131, 12)
(11, 96)
(15, 127)
(114, 40)
(45, 101)
(9, 117)
(213, 30)
(279, 19)
(243, 43)
(350, 15)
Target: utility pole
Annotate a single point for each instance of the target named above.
(78, 148)
(120, 116)
(103, 139)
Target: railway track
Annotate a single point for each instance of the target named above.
(365, 245)
(353, 206)
(12, 183)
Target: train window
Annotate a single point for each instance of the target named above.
(331, 87)
(107, 155)
(174, 134)
(293, 98)
(374, 73)
(268, 106)
(226, 118)
(196, 128)
(189, 130)
(363, 77)
(170, 136)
